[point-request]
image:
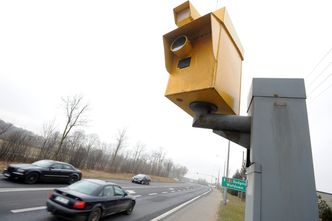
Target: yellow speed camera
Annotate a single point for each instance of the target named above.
(204, 59)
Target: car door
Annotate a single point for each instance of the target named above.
(50, 173)
(57, 173)
(122, 199)
(67, 171)
(109, 201)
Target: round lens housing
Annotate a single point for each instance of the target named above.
(181, 46)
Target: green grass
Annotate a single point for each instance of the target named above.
(233, 211)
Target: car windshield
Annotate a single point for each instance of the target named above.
(140, 176)
(42, 163)
(84, 186)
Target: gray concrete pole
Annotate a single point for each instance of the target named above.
(280, 174)
(281, 182)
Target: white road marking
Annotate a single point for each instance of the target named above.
(28, 209)
(131, 191)
(165, 192)
(162, 216)
(5, 190)
(173, 191)
(136, 196)
(146, 186)
(171, 188)
(152, 194)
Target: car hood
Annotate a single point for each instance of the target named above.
(24, 166)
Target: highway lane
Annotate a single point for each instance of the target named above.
(152, 200)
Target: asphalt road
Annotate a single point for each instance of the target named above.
(21, 202)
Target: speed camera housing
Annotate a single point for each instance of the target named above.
(204, 59)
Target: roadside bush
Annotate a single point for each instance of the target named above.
(325, 212)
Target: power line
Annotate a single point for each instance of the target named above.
(320, 61)
(322, 72)
(327, 77)
(311, 101)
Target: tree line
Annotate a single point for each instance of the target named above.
(82, 150)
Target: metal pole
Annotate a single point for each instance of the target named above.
(227, 166)
(218, 181)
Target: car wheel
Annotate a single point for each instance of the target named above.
(73, 179)
(31, 178)
(130, 208)
(95, 214)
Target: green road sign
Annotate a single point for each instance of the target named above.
(234, 184)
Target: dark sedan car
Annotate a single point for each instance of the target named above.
(90, 199)
(141, 179)
(43, 170)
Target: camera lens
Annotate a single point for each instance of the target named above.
(178, 43)
(181, 46)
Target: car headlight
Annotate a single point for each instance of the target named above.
(20, 170)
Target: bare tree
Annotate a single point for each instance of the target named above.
(16, 147)
(76, 148)
(4, 128)
(85, 151)
(92, 142)
(168, 166)
(139, 148)
(49, 137)
(120, 143)
(75, 115)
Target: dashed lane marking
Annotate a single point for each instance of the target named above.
(5, 190)
(152, 194)
(28, 209)
(131, 191)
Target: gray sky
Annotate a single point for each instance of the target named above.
(111, 52)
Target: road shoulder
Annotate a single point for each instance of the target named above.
(205, 208)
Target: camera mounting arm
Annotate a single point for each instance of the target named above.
(233, 128)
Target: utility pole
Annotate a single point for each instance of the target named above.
(227, 166)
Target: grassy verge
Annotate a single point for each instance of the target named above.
(233, 211)
(106, 175)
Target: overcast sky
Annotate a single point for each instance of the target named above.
(111, 52)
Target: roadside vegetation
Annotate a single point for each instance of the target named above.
(85, 151)
(325, 212)
(233, 210)
(107, 175)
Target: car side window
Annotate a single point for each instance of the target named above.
(66, 167)
(57, 166)
(118, 191)
(108, 191)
